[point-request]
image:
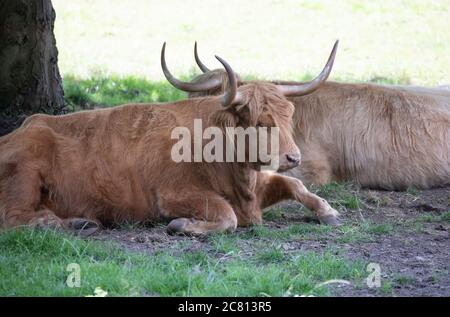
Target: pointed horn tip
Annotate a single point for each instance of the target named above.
(200, 64)
(224, 63)
(336, 44)
(220, 59)
(333, 51)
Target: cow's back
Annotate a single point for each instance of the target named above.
(379, 136)
(95, 159)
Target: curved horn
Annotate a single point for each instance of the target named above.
(185, 86)
(300, 89)
(231, 96)
(202, 66)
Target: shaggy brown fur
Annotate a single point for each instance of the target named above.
(110, 165)
(378, 136)
(389, 137)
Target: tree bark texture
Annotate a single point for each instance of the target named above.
(29, 77)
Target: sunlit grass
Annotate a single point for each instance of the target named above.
(397, 41)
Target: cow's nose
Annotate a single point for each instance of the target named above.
(293, 158)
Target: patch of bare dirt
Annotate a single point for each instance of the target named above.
(414, 256)
(412, 265)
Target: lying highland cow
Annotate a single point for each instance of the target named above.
(91, 168)
(388, 137)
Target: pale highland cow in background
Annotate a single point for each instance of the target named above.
(378, 136)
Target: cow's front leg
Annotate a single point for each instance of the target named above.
(273, 188)
(194, 213)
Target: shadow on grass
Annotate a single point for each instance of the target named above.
(103, 91)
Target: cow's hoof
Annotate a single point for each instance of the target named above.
(81, 226)
(330, 221)
(177, 225)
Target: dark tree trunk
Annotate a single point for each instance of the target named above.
(29, 76)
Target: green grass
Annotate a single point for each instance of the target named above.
(356, 232)
(413, 191)
(224, 243)
(378, 229)
(272, 254)
(404, 280)
(353, 234)
(394, 41)
(445, 216)
(34, 262)
(291, 232)
(418, 223)
(110, 91)
(339, 195)
(386, 289)
(273, 214)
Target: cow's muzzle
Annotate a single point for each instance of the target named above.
(293, 159)
(289, 161)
